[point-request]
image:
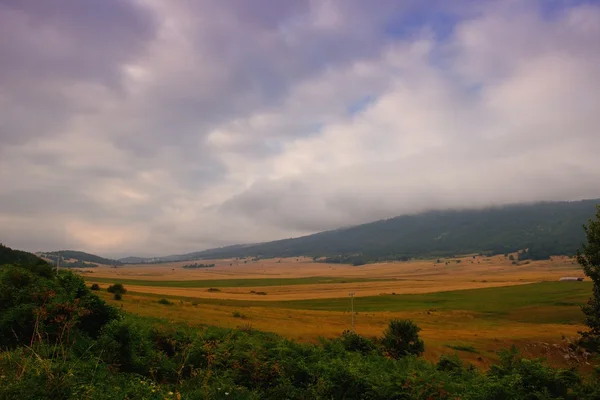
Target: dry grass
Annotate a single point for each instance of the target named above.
(421, 276)
(321, 291)
(441, 328)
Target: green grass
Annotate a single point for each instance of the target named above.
(544, 302)
(498, 300)
(216, 283)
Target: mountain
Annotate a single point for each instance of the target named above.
(79, 256)
(548, 228)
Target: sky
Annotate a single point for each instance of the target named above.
(152, 127)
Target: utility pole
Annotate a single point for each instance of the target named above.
(352, 308)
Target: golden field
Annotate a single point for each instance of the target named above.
(447, 299)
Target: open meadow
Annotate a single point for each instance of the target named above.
(472, 305)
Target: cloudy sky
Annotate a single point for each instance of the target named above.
(153, 127)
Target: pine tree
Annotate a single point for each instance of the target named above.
(589, 258)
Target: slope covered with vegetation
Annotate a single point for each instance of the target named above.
(545, 229)
(10, 256)
(79, 256)
(58, 340)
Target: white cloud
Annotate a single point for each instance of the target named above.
(234, 126)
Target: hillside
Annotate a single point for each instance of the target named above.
(545, 228)
(18, 257)
(79, 256)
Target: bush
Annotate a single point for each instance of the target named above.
(165, 302)
(401, 338)
(536, 379)
(34, 305)
(118, 296)
(126, 346)
(354, 342)
(95, 286)
(237, 314)
(450, 363)
(117, 288)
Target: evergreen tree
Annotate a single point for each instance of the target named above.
(589, 258)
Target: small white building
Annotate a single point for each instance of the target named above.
(570, 278)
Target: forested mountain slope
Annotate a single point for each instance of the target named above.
(545, 228)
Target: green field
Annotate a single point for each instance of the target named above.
(486, 300)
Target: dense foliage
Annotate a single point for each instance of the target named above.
(117, 288)
(401, 338)
(36, 305)
(545, 229)
(66, 343)
(10, 256)
(589, 259)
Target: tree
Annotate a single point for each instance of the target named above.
(589, 258)
(117, 288)
(401, 338)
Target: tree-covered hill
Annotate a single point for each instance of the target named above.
(548, 228)
(79, 256)
(18, 257)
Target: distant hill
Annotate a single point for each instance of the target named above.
(549, 228)
(79, 256)
(132, 260)
(18, 257)
(178, 257)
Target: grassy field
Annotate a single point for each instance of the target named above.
(235, 283)
(474, 307)
(538, 318)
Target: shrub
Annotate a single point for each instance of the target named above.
(33, 305)
(237, 314)
(247, 327)
(126, 346)
(118, 296)
(213, 290)
(450, 363)
(165, 302)
(536, 379)
(354, 342)
(117, 288)
(401, 338)
(95, 286)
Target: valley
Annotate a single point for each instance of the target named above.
(478, 303)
